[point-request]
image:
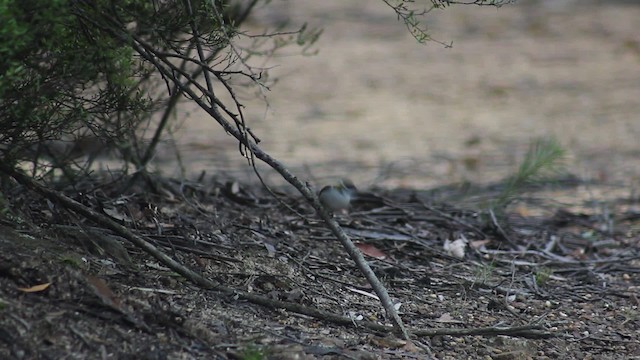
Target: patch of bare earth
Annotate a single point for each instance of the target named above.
(70, 289)
(374, 104)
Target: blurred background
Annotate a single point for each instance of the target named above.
(374, 105)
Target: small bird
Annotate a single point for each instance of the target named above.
(338, 197)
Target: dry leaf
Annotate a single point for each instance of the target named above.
(271, 250)
(479, 243)
(390, 342)
(35, 288)
(102, 290)
(455, 248)
(522, 211)
(447, 318)
(372, 251)
(234, 188)
(410, 347)
(365, 293)
(116, 214)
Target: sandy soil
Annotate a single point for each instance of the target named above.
(378, 107)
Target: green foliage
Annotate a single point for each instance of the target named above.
(71, 69)
(59, 75)
(542, 275)
(484, 272)
(544, 158)
(252, 353)
(14, 40)
(71, 260)
(412, 14)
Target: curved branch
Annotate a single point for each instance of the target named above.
(168, 71)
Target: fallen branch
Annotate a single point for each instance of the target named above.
(310, 195)
(58, 198)
(525, 331)
(205, 98)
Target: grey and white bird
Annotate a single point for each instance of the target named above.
(338, 197)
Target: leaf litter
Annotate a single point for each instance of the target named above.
(570, 269)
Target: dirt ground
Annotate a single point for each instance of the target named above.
(374, 104)
(284, 288)
(422, 130)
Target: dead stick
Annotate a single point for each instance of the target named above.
(305, 190)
